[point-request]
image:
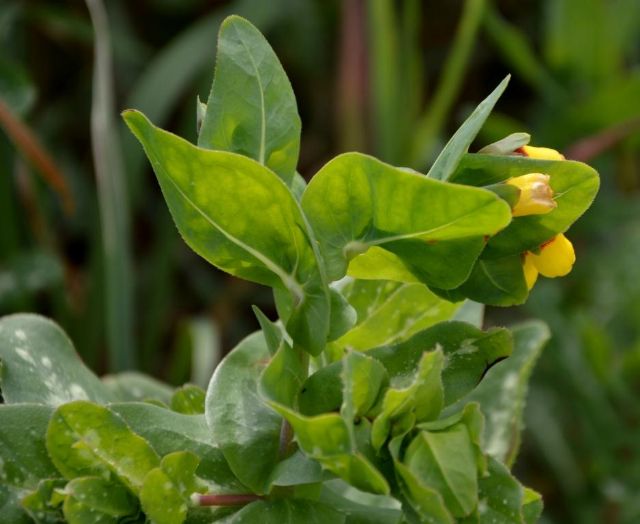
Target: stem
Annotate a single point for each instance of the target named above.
(112, 199)
(211, 499)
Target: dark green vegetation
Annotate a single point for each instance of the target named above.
(573, 65)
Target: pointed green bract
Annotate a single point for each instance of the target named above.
(355, 202)
(251, 109)
(449, 158)
(240, 217)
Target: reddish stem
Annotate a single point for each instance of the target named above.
(211, 499)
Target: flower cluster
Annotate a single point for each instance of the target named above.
(555, 257)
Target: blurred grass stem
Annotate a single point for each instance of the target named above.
(112, 198)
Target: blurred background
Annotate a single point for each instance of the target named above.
(86, 238)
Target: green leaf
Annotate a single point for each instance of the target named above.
(39, 364)
(296, 469)
(328, 439)
(251, 109)
(132, 386)
(240, 217)
(379, 264)
(343, 316)
(40, 504)
(189, 400)
(246, 430)
(360, 507)
(285, 511)
(502, 392)
(23, 456)
(166, 492)
(168, 431)
(418, 396)
(495, 282)
(390, 312)
(532, 506)
(574, 184)
(449, 158)
(355, 202)
(363, 379)
(469, 353)
(424, 499)
(500, 496)
(87, 439)
(282, 379)
(445, 461)
(273, 335)
(94, 499)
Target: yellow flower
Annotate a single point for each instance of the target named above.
(541, 153)
(536, 195)
(530, 271)
(556, 259)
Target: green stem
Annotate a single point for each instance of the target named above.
(112, 199)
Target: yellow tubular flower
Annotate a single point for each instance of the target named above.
(536, 195)
(541, 153)
(556, 257)
(530, 271)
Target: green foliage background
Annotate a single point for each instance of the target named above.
(378, 76)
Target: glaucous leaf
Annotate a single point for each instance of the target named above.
(133, 386)
(188, 400)
(240, 217)
(503, 390)
(449, 158)
(251, 109)
(356, 201)
(245, 429)
(360, 507)
(23, 456)
(296, 469)
(39, 364)
(167, 489)
(285, 511)
(87, 439)
(575, 186)
(168, 431)
(500, 497)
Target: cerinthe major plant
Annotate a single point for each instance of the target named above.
(376, 398)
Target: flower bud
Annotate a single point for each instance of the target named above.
(556, 257)
(536, 195)
(541, 153)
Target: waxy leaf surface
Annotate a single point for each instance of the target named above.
(246, 430)
(356, 201)
(240, 217)
(251, 109)
(38, 363)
